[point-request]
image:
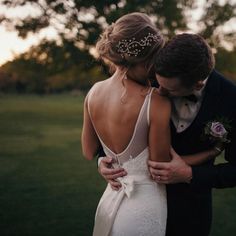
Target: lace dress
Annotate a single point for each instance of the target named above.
(139, 208)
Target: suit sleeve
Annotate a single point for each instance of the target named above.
(220, 175)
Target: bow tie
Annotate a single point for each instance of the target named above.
(191, 98)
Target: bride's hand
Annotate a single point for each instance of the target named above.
(110, 174)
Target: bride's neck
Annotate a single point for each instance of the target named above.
(126, 74)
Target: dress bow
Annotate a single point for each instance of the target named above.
(127, 185)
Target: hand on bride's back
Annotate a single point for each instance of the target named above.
(110, 174)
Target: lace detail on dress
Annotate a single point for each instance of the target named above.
(145, 210)
(137, 165)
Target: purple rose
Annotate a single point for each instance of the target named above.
(218, 130)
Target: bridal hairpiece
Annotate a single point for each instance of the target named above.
(133, 47)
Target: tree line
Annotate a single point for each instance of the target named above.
(66, 63)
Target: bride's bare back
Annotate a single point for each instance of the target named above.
(114, 109)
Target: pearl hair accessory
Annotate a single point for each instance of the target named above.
(132, 47)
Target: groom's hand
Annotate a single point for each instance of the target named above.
(175, 171)
(110, 174)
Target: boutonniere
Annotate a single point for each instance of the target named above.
(217, 130)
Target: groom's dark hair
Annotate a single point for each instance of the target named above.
(187, 57)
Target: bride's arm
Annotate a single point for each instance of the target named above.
(201, 157)
(159, 132)
(89, 139)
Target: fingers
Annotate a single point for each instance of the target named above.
(174, 154)
(158, 165)
(111, 174)
(156, 172)
(160, 179)
(159, 171)
(162, 182)
(115, 185)
(107, 160)
(161, 175)
(172, 151)
(114, 176)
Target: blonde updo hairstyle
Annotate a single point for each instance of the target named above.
(129, 27)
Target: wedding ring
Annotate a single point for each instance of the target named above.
(158, 177)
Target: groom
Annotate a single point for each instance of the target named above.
(199, 95)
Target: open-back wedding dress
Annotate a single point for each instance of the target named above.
(139, 208)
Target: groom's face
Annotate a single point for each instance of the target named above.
(172, 87)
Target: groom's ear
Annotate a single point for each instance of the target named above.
(199, 84)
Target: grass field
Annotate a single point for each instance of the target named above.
(46, 187)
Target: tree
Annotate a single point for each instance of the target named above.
(225, 62)
(78, 25)
(66, 62)
(215, 16)
(82, 21)
(49, 67)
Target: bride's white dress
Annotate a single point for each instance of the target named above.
(139, 208)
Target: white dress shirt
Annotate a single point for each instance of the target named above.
(184, 111)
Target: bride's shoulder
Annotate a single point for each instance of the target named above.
(100, 84)
(160, 102)
(96, 89)
(156, 97)
(97, 86)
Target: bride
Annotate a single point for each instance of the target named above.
(131, 122)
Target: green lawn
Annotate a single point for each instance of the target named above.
(46, 187)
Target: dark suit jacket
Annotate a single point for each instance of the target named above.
(189, 205)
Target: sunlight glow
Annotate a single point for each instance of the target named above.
(11, 45)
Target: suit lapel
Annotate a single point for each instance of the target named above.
(211, 99)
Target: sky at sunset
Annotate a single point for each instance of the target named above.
(11, 44)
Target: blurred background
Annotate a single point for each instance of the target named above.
(47, 64)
